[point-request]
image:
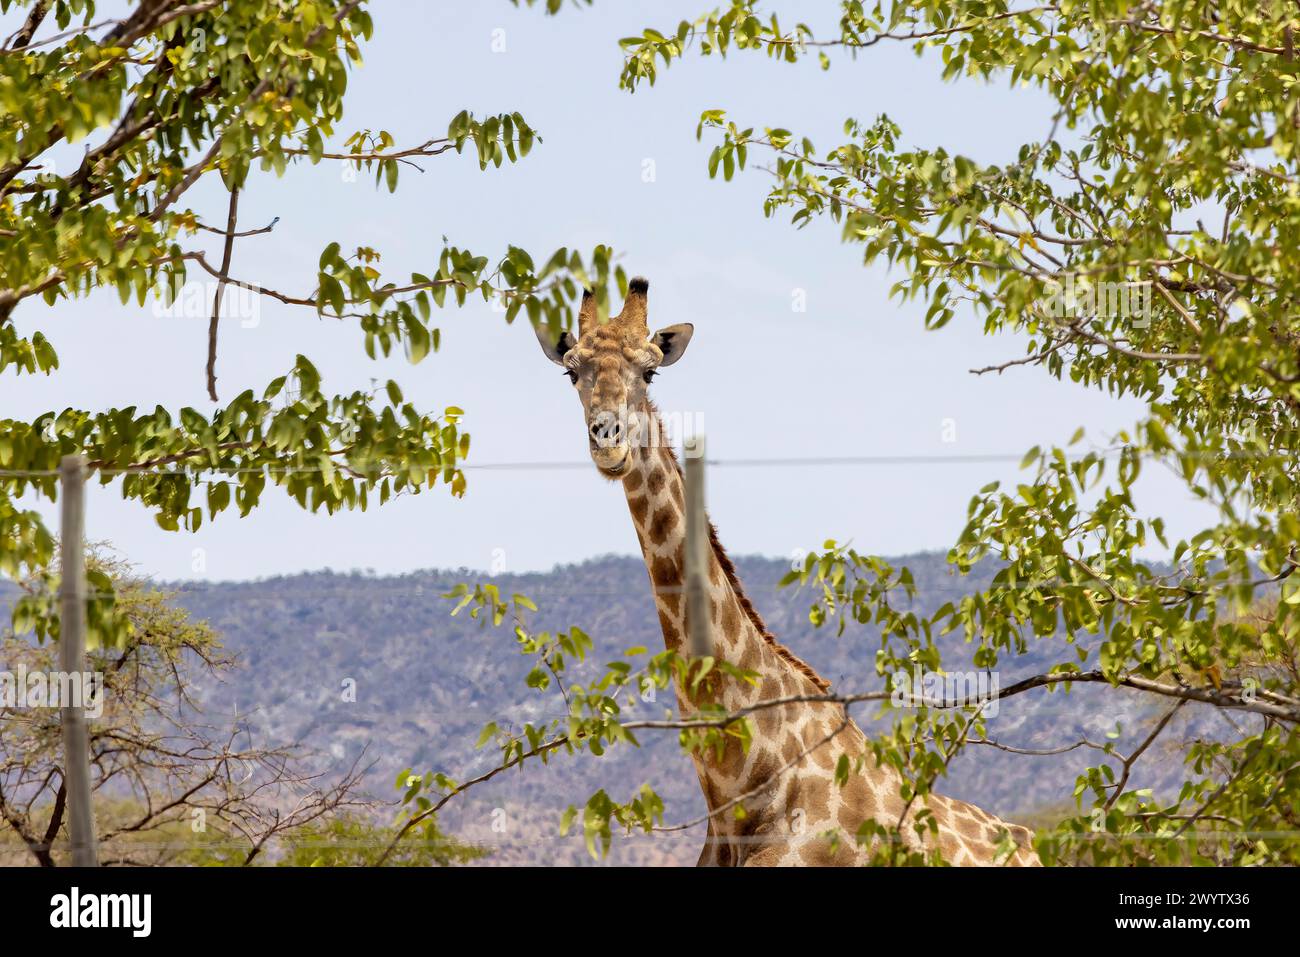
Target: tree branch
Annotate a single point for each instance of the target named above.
(35, 16)
(231, 221)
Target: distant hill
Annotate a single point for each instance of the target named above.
(426, 683)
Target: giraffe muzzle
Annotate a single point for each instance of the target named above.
(612, 459)
(607, 438)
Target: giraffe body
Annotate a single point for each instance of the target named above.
(785, 780)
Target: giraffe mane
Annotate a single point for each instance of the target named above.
(729, 569)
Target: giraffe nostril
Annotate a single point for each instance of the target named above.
(606, 430)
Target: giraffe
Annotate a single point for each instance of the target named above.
(785, 780)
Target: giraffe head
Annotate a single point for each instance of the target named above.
(610, 365)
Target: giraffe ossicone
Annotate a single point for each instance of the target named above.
(793, 810)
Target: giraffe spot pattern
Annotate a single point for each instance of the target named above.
(669, 628)
(639, 505)
(816, 797)
(731, 619)
(664, 521)
(764, 768)
(665, 573)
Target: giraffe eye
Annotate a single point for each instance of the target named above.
(650, 374)
(573, 376)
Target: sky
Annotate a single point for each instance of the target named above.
(852, 373)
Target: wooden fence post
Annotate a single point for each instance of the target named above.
(72, 657)
(697, 551)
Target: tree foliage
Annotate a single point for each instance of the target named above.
(1144, 246)
(352, 840)
(148, 105)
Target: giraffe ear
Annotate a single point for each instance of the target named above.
(554, 346)
(672, 341)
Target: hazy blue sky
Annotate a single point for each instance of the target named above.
(855, 374)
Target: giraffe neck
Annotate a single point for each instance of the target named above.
(655, 494)
(656, 498)
(785, 779)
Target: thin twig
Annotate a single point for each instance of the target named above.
(231, 221)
